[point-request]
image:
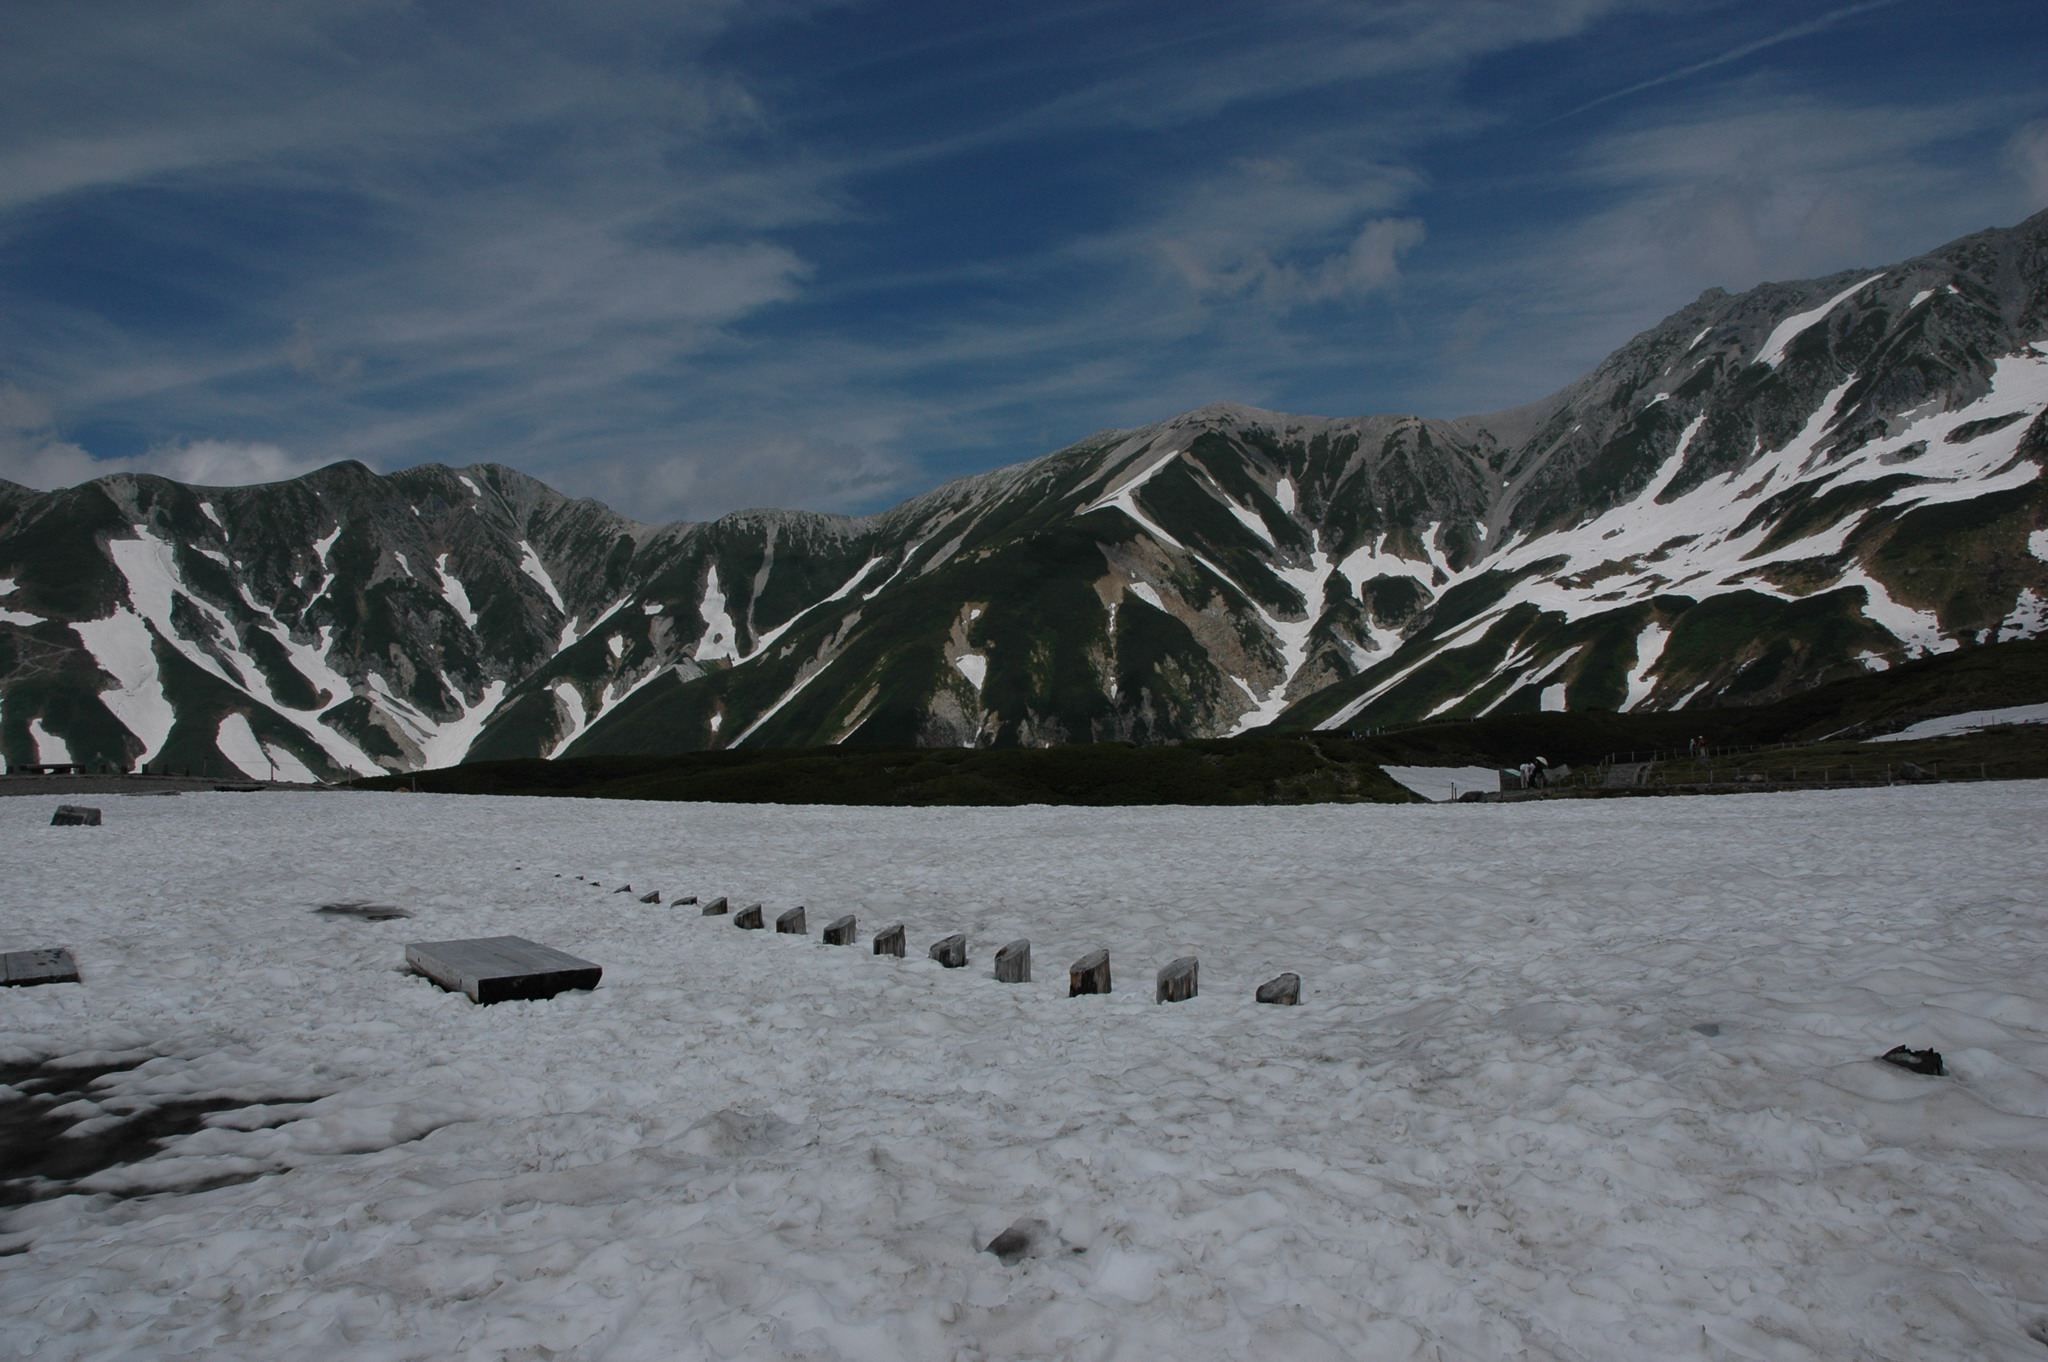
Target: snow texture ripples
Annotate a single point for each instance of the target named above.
(1570, 1080)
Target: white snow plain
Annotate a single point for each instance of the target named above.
(1570, 1080)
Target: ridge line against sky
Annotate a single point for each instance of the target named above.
(693, 257)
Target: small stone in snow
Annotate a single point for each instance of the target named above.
(1915, 1061)
(1026, 1238)
(653, 896)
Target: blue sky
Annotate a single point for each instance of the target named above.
(692, 256)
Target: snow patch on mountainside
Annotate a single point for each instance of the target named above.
(255, 758)
(574, 721)
(1649, 648)
(1291, 638)
(1773, 352)
(122, 645)
(453, 591)
(721, 638)
(446, 744)
(237, 742)
(51, 750)
(531, 565)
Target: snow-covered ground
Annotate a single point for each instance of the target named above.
(1442, 783)
(1969, 723)
(1570, 1080)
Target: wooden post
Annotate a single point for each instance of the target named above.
(791, 923)
(950, 951)
(890, 941)
(1284, 990)
(1179, 981)
(1013, 963)
(1089, 974)
(839, 931)
(718, 907)
(748, 917)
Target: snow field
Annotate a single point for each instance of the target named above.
(1969, 722)
(1492, 1130)
(1442, 783)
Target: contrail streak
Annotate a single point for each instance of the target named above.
(1832, 17)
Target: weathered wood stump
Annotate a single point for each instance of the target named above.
(839, 931)
(890, 941)
(950, 951)
(1284, 989)
(748, 917)
(653, 897)
(496, 969)
(718, 907)
(22, 969)
(75, 816)
(1013, 963)
(1089, 974)
(791, 923)
(1179, 981)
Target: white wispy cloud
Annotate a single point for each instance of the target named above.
(33, 455)
(1790, 33)
(592, 242)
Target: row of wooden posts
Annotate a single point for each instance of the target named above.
(1177, 981)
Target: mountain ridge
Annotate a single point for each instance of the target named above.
(1762, 492)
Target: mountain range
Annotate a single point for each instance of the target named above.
(1763, 492)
